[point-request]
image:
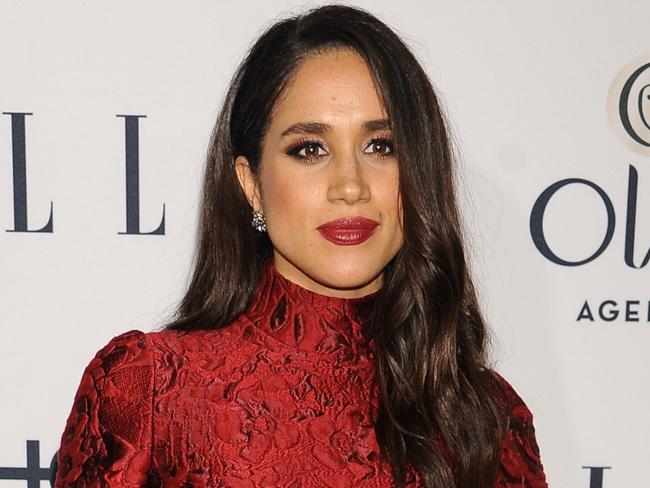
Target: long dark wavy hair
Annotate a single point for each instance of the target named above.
(437, 411)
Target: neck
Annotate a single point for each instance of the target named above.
(304, 319)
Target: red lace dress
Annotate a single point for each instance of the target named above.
(283, 396)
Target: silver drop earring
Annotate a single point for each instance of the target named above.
(259, 222)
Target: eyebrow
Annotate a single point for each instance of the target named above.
(321, 127)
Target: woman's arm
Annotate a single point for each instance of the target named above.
(108, 434)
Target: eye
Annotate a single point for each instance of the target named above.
(306, 149)
(382, 145)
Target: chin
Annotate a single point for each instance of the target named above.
(347, 273)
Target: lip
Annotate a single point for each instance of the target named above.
(348, 231)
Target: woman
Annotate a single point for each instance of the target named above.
(336, 341)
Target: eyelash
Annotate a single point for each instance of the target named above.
(303, 143)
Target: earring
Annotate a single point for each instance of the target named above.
(259, 222)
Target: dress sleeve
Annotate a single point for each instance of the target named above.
(520, 465)
(108, 434)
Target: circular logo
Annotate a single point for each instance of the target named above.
(628, 105)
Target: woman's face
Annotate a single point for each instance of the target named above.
(327, 155)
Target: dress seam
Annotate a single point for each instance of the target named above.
(258, 328)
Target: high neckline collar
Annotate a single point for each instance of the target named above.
(307, 320)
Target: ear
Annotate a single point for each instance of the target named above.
(248, 182)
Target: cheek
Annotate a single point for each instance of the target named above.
(400, 212)
(289, 200)
(391, 203)
(389, 194)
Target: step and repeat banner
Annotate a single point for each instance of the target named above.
(105, 114)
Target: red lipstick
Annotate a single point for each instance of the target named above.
(348, 231)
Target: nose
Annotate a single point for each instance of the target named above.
(347, 181)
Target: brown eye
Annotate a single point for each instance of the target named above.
(308, 150)
(381, 146)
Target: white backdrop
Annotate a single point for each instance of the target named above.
(526, 86)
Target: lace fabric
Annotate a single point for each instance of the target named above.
(283, 396)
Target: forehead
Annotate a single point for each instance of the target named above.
(332, 85)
